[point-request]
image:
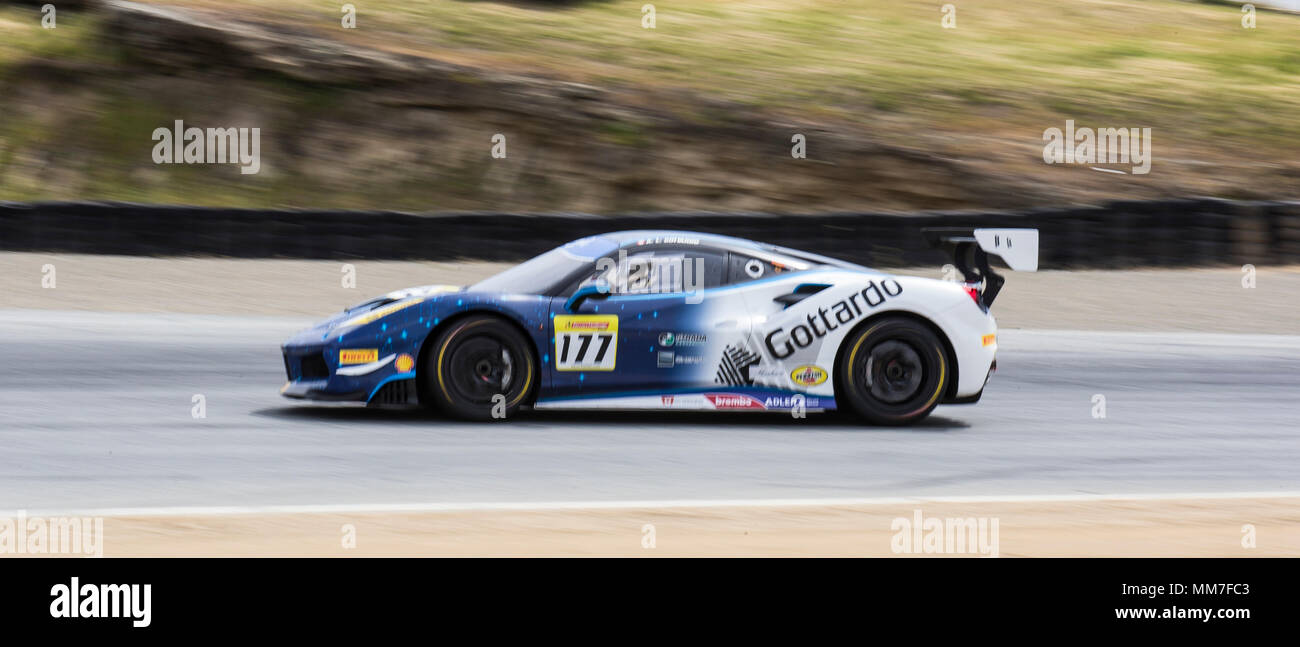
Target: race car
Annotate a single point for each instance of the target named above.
(648, 320)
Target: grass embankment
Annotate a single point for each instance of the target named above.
(1217, 96)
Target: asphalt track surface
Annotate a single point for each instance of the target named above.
(95, 412)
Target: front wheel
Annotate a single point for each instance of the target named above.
(893, 371)
(480, 368)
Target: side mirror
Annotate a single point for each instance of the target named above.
(584, 293)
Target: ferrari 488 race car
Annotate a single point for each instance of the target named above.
(673, 320)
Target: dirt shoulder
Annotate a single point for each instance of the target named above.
(1108, 528)
(1202, 300)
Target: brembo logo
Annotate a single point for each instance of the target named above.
(782, 344)
(733, 401)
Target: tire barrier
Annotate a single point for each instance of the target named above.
(1186, 232)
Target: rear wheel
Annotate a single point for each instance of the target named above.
(480, 368)
(893, 371)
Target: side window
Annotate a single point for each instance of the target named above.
(744, 268)
(661, 271)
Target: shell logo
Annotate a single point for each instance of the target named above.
(808, 375)
(404, 363)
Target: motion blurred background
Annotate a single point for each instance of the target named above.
(602, 113)
(116, 318)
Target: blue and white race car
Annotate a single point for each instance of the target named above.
(673, 320)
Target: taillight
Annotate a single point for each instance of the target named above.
(973, 289)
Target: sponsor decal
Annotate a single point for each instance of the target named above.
(404, 363)
(668, 240)
(808, 375)
(589, 325)
(669, 359)
(766, 373)
(989, 340)
(358, 356)
(586, 342)
(682, 339)
(733, 401)
(782, 344)
(734, 368)
(755, 401)
(789, 401)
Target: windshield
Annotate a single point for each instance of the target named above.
(539, 274)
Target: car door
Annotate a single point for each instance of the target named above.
(788, 302)
(651, 333)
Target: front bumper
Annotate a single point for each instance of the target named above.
(314, 373)
(319, 390)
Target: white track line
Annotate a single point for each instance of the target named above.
(364, 508)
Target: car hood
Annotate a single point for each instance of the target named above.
(371, 307)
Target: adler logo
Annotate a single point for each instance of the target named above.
(781, 344)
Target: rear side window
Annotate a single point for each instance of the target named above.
(744, 268)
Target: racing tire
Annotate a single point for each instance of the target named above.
(475, 360)
(893, 371)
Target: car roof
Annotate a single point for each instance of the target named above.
(636, 237)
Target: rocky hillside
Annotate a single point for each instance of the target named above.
(348, 125)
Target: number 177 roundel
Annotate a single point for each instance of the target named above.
(586, 342)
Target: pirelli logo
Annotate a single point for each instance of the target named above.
(358, 356)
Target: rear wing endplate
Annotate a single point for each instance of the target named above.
(970, 250)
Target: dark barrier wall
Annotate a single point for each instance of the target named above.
(1118, 234)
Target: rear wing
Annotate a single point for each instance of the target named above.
(970, 250)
